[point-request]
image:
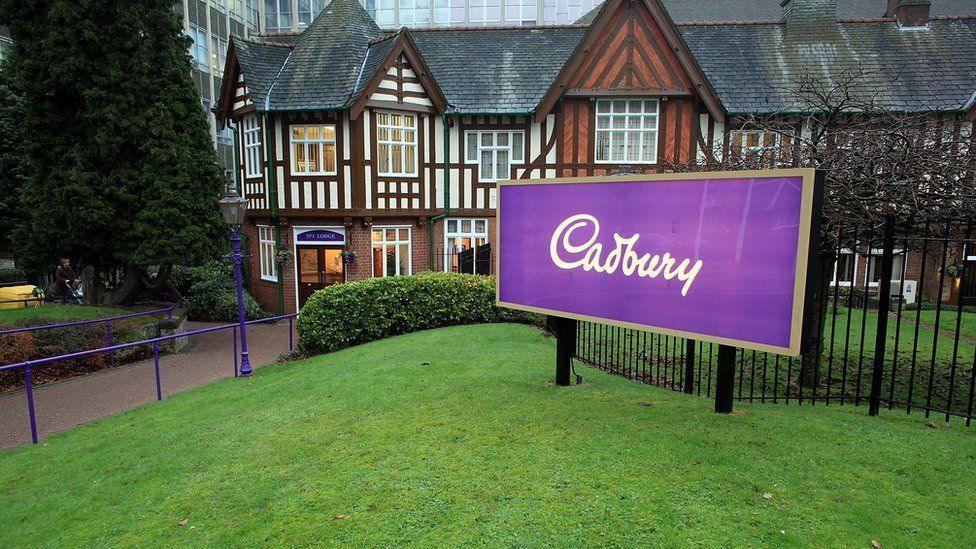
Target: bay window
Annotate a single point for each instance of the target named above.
(266, 247)
(391, 251)
(626, 131)
(494, 152)
(252, 146)
(313, 149)
(396, 137)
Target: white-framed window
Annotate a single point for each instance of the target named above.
(494, 152)
(747, 144)
(266, 246)
(461, 235)
(845, 268)
(252, 146)
(874, 266)
(391, 251)
(626, 131)
(396, 149)
(313, 149)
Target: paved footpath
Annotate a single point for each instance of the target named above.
(66, 404)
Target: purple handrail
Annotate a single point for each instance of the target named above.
(26, 365)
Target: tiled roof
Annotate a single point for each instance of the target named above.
(508, 71)
(499, 71)
(685, 11)
(325, 62)
(377, 52)
(260, 62)
(932, 68)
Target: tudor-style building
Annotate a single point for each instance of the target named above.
(389, 144)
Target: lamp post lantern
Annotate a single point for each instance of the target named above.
(232, 208)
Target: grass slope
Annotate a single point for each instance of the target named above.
(456, 436)
(65, 313)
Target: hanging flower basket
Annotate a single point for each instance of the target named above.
(349, 256)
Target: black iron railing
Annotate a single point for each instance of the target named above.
(911, 345)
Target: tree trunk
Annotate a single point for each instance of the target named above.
(135, 286)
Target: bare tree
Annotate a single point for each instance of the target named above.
(915, 168)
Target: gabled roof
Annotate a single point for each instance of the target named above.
(379, 58)
(509, 70)
(924, 69)
(496, 71)
(671, 35)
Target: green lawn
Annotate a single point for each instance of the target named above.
(66, 313)
(456, 437)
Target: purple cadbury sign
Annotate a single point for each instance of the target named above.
(716, 257)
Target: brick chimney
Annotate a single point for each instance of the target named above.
(809, 18)
(909, 13)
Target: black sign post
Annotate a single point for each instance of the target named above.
(565, 329)
(724, 380)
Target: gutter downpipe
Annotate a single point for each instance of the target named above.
(447, 187)
(269, 177)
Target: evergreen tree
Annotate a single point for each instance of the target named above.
(13, 158)
(125, 176)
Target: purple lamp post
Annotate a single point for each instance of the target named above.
(233, 207)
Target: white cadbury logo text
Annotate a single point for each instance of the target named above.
(589, 254)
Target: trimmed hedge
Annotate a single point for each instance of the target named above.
(12, 275)
(348, 314)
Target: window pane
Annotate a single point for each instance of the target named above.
(391, 262)
(383, 152)
(480, 226)
(404, 259)
(518, 150)
(330, 160)
(472, 150)
(408, 154)
(487, 172)
(298, 132)
(501, 164)
(314, 157)
(378, 263)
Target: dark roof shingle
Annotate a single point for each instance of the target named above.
(498, 71)
(509, 70)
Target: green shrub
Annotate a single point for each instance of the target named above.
(12, 275)
(185, 277)
(356, 312)
(215, 299)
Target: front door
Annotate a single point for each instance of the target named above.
(318, 267)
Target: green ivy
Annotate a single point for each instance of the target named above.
(357, 312)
